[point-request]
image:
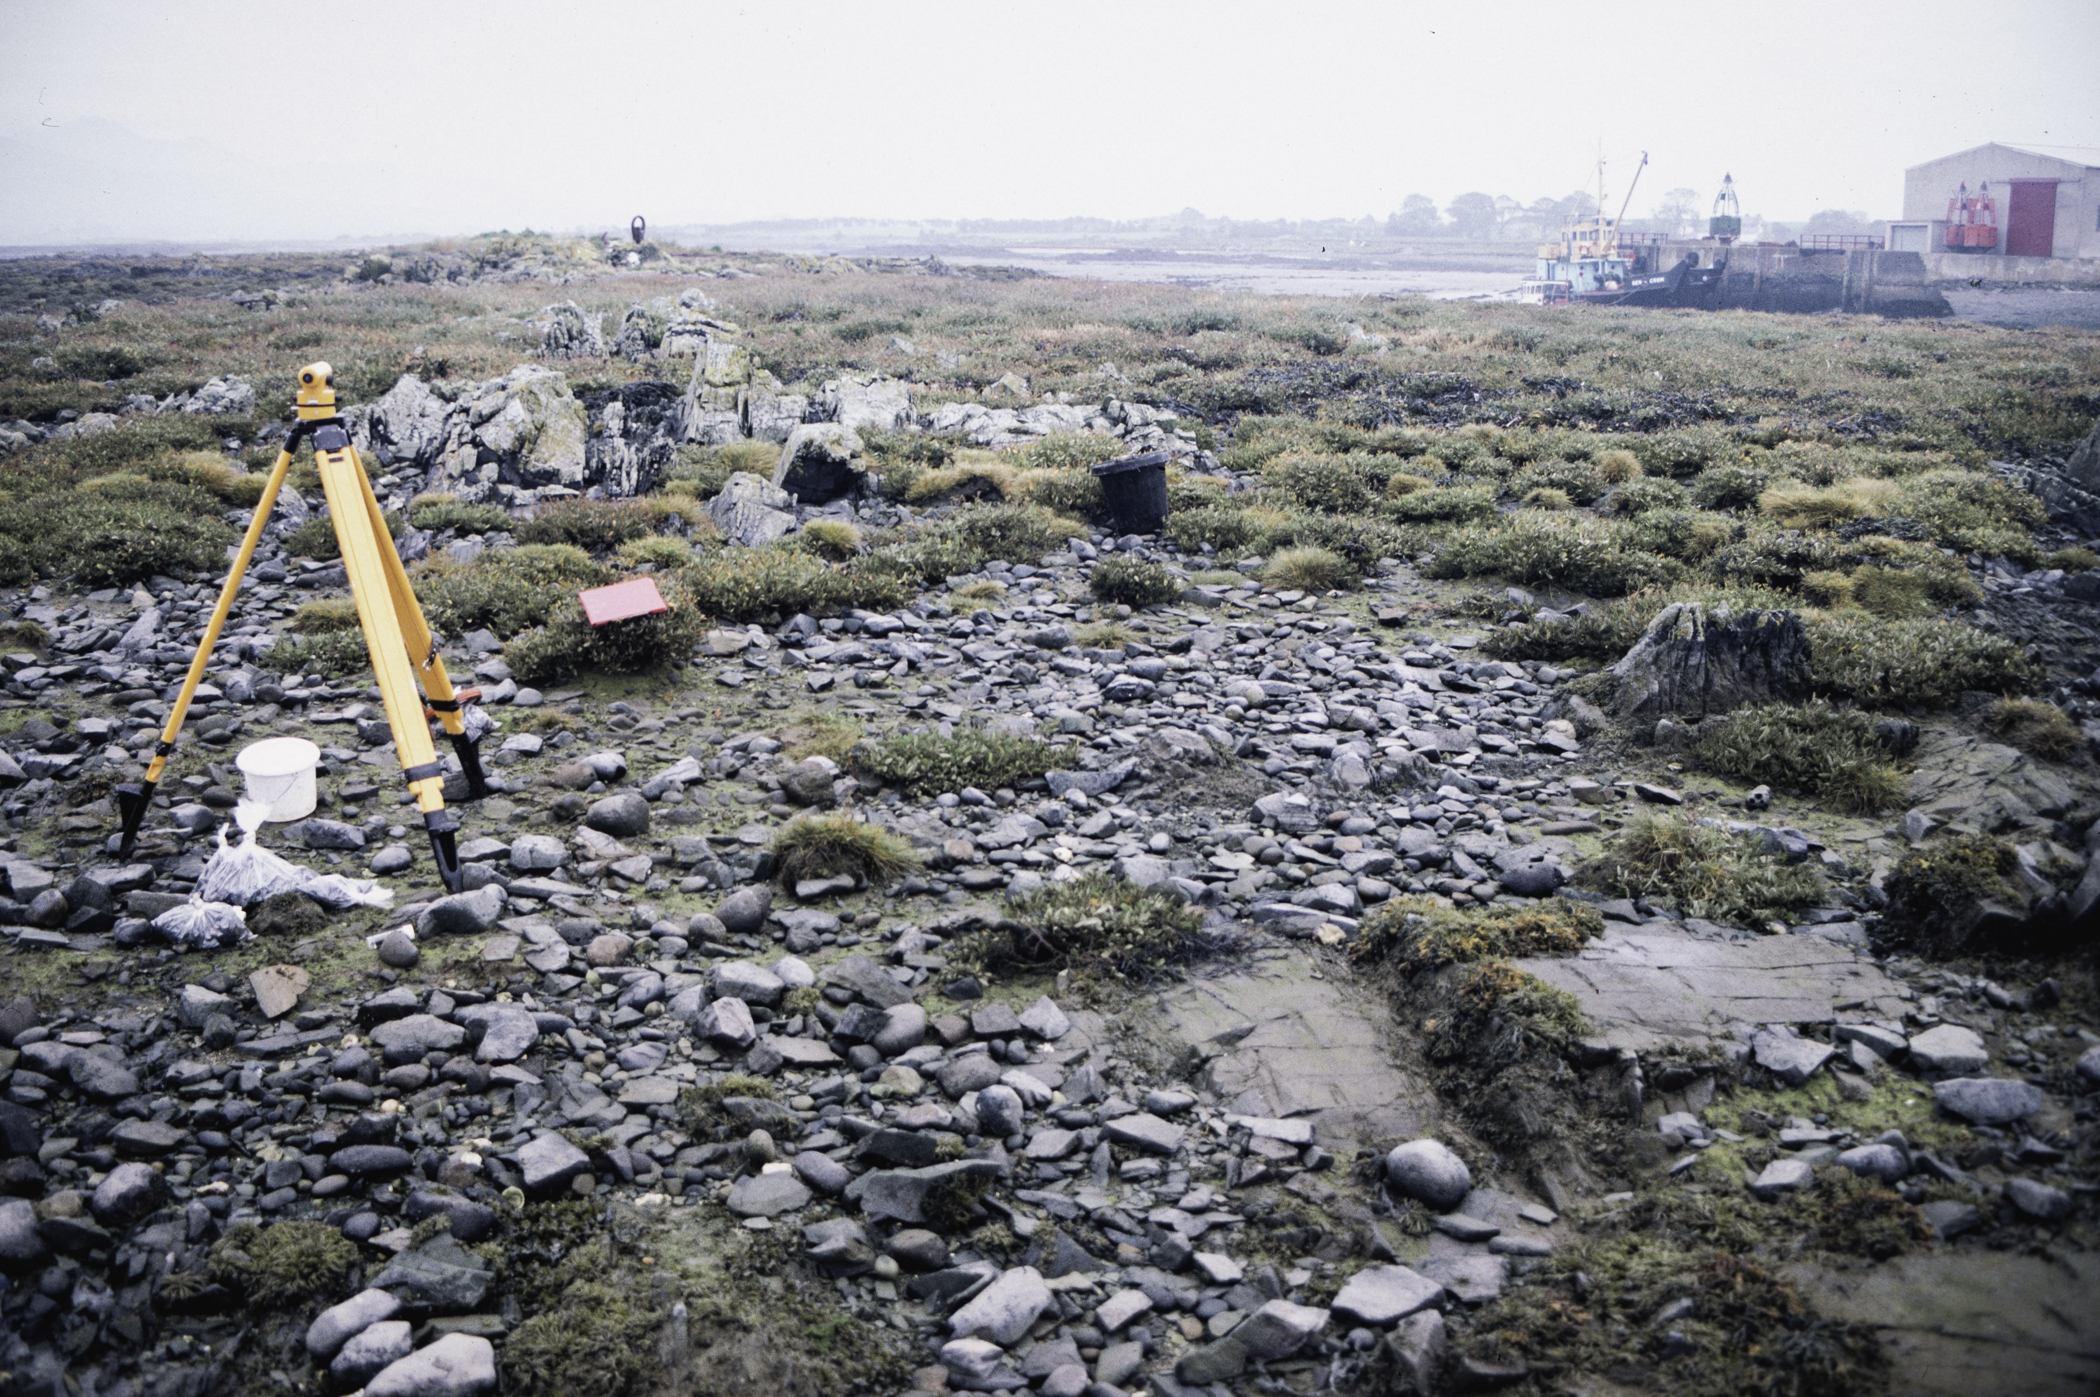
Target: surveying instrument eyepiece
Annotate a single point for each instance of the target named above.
(397, 638)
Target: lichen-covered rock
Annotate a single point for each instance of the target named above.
(569, 332)
(525, 429)
(881, 403)
(230, 396)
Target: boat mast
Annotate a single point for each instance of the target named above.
(1626, 203)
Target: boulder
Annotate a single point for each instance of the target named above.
(128, 1193)
(1790, 1059)
(1279, 1329)
(1416, 1349)
(1782, 1177)
(230, 396)
(1948, 1048)
(537, 853)
(567, 332)
(768, 1195)
(739, 979)
(530, 422)
(549, 1163)
(809, 782)
(1381, 1295)
(20, 1242)
(727, 1024)
(1876, 1161)
(1428, 1170)
(509, 1034)
(2083, 467)
(2038, 1200)
(462, 914)
(744, 911)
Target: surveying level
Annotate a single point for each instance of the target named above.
(396, 636)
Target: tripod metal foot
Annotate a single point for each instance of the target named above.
(444, 846)
(468, 749)
(134, 799)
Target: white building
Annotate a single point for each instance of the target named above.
(2047, 198)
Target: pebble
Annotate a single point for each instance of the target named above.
(1987, 1100)
(457, 1365)
(1948, 1048)
(399, 950)
(1383, 1295)
(1780, 1178)
(1004, 1310)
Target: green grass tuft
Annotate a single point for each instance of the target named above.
(1132, 582)
(286, 1263)
(985, 760)
(1701, 870)
(441, 512)
(503, 590)
(832, 538)
(1098, 923)
(1827, 752)
(325, 616)
(2035, 726)
(1417, 934)
(1308, 570)
(596, 526)
(816, 846)
(750, 584)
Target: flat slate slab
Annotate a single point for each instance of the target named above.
(1958, 1323)
(1650, 987)
(1281, 1043)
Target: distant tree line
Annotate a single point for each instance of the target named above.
(1474, 217)
(1681, 212)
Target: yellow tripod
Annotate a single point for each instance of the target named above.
(396, 635)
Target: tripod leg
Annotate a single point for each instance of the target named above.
(440, 698)
(134, 797)
(365, 548)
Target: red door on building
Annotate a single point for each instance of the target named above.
(2030, 225)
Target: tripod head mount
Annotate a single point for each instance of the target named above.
(316, 396)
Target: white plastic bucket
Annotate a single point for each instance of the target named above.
(280, 774)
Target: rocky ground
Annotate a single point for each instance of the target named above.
(637, 1112)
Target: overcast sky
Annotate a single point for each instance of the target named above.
(442, 117)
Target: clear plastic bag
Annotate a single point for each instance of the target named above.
(335, 892)
(245, 873)
(198, 925)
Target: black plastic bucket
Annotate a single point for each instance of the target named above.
(1135, 488)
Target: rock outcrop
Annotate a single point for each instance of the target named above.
(525, 430)
(1693, 663)
(821, 462)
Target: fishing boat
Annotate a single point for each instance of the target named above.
(1593, 264)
